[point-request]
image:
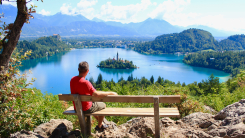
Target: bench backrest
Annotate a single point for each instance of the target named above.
(124, 98)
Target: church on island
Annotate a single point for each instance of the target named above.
(117, 58)
(117, 63)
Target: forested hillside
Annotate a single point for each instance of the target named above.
(235, 42)
(191, 40)
(43, 46)
(230, 62)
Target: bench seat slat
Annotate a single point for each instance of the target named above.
(124, 98)
(144, 112)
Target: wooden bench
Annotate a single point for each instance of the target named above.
(155, 112)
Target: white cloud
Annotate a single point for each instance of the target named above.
(221, 22)
(86, 3)
(67, 9)
(84, 7)
(43, 12)
(176, 12)
(154, 3)
(9, 3)
(169, 7)
(126, 13)
(173, 11)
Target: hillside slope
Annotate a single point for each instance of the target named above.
(235, 42)
(190, 40)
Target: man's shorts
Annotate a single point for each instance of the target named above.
(96, 106)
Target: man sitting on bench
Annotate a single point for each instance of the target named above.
(79, 85)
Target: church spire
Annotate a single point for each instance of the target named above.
(117, 56)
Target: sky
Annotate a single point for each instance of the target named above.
(228, 15)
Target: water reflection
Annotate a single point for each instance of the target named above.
(173, 60)
(116, 71)
(32, 63)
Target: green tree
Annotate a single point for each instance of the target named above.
(13, 30)
(152, 79)
(99, 79)
(159, 80)
(91, 80)
(183, 84)
(130, 78)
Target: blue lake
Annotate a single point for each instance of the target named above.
(53, 74)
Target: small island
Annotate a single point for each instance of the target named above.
(117, 64)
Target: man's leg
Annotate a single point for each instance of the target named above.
(100, 120)
(97, 106)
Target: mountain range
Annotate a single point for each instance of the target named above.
(68, 25)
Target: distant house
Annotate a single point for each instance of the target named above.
(212, 58)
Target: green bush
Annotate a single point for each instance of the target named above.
(25, 108)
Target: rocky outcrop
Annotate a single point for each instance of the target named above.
(25, 134)
(228, 123)
(55, 128)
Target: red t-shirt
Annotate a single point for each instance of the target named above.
(79, 85)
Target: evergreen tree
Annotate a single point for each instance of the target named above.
(121, 79)
(178, 84)
(91, 80)
(152, 79)
(159, 80)
(183, 84)
(99, 80)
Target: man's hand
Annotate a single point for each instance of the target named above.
(103, 94)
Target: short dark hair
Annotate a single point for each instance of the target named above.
(83, 67)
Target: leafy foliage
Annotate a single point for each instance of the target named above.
(235, 42)
(230, 62)
(120, 64)
(43, 46)
(23, 108)
(190, 40)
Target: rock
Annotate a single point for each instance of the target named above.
(166, 122)
(234, 110)
(25, 134)
(236, 130)
(55, 128)
(111, 125)
(75, 133)
(142, 127)
(199, 119)
(209, 109)
(213, 126)
(205, 124)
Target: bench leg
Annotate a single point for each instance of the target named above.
(156, 117)
(88, 125)
(80, 114)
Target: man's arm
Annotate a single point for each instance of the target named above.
(103, 94)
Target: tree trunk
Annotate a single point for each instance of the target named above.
(14, 35)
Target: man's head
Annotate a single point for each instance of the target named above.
(83, 67)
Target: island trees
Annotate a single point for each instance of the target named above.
(117, 64)
(11, 32)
